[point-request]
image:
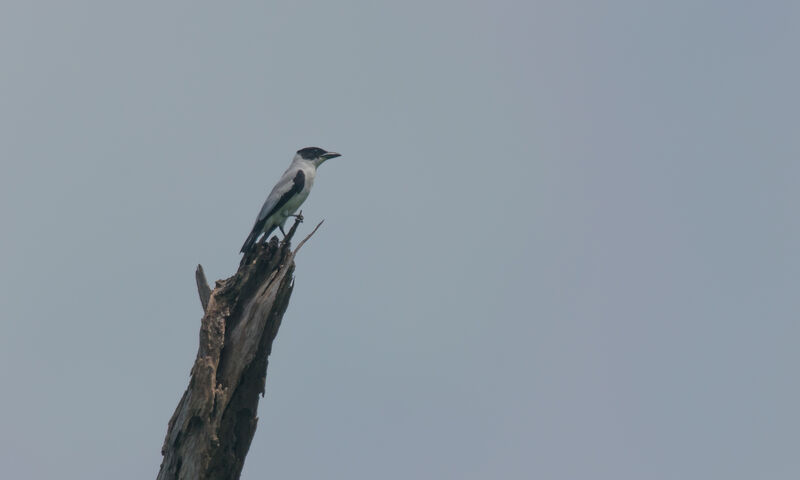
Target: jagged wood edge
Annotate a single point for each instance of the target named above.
(203, 290)
(213, 425)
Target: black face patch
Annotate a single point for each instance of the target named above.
(310, 153)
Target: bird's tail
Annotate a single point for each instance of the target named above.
(251, 240)
(257, 230)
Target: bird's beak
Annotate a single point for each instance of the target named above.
(329, 155)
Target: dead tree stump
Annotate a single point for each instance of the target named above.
(210, 432)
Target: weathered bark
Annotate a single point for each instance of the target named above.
(210, 432)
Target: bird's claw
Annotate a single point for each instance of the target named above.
(299, 217)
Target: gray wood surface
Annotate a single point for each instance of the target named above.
(210, 432)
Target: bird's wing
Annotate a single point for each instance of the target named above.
(287, 187)
(290, 184)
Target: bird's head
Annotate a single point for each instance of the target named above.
(316, 155)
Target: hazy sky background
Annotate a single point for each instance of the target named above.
(562, 242)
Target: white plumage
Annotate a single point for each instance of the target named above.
(288, 194)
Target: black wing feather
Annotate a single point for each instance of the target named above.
(298, 184)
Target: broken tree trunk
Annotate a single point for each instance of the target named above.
(210, 432)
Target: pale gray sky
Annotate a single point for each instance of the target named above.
(562, 242)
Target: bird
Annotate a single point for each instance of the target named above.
(288, 194)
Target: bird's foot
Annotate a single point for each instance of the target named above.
(299, 217)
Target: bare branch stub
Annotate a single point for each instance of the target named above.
(303, 242)
(203, 290)
(210, 432)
